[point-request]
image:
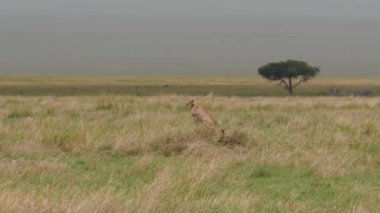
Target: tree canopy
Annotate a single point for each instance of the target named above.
(290, 73)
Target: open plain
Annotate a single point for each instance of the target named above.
(107, 152)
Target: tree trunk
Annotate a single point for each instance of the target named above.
(290, 86)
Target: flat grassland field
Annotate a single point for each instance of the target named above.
(104, 150)
(144, 86)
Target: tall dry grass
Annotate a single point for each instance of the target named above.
(145, 154)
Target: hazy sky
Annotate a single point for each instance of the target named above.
(187, 37)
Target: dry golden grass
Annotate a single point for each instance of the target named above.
(144, 154)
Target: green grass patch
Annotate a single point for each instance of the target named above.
(288, 183)
(19, 114)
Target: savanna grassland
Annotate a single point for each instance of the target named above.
(152, 86)
(128, 153)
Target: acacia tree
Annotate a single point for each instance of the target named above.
(290, 73)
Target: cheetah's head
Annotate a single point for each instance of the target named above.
(190, 103)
